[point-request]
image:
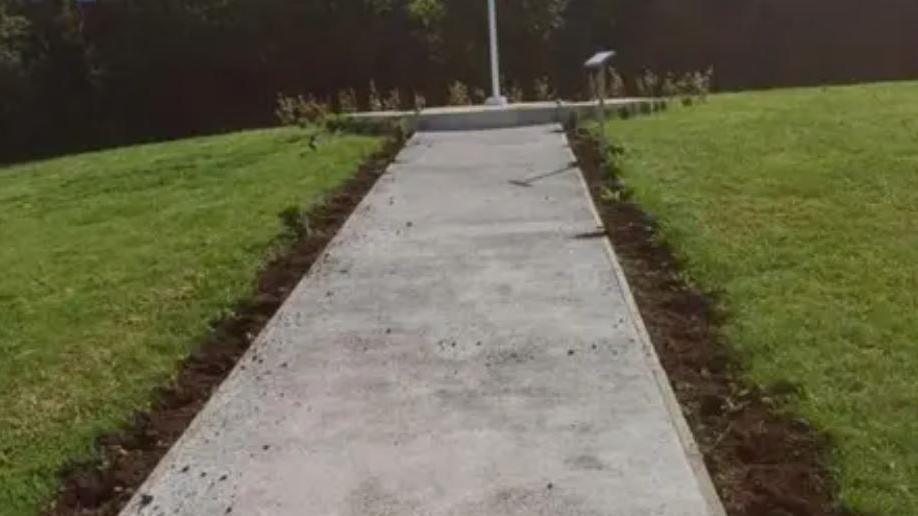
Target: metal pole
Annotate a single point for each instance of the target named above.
(601, 93)
(496, 98)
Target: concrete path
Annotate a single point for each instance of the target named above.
(465, 347)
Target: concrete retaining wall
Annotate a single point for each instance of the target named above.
(464, 118)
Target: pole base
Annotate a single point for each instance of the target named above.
(496, 101)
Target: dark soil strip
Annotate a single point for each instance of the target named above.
(763, 462)
(104, 487)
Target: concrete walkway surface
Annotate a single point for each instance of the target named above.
(466, 346)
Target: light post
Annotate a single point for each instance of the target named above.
(597, 65)
(496, 99)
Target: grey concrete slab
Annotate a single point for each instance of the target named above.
(459, 349)
(465, 118)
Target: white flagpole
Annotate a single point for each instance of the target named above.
(496, 99)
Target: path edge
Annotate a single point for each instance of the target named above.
(135, 505)
(686, 438)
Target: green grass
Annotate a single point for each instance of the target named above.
(114, 262)
(801, 207)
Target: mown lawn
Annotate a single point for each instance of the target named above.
(112, 263)
(801, 207)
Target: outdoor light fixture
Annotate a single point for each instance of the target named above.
(496, 99)
(597, 65)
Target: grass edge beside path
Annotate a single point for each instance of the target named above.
(119, 261)
(798, 208)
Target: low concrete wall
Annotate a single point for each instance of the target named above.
(464, 118)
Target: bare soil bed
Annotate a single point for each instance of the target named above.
(104, 487)
(763, 461)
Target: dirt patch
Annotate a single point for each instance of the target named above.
(764, 462)
(104, 487)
